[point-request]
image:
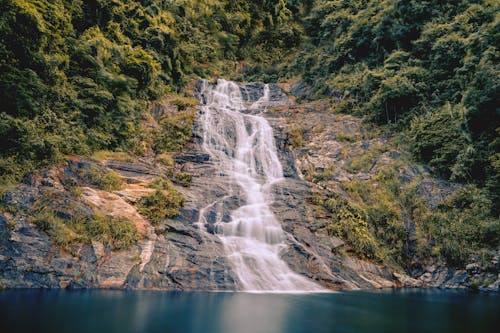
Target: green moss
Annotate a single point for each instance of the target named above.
(117, 232)
(382, 207)
(4, 208)
(107, 181)
(362, 163)
(324, 175)
(461, 227)
(165, 159)
(161, 184)
(77, 191)
(103, 155)
(91, 174)
(111, 181)
(136, 257)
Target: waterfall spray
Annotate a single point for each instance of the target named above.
(243, 145)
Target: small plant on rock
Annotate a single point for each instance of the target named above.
(165, 202)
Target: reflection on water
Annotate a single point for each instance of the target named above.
(242, 313)
(170, 312)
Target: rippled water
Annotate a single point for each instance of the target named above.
(199, 312)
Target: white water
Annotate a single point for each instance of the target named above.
(243, 145)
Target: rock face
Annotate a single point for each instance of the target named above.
(311, 251)
(173, 255)
(28, 260)
(324, 157)
(314, 253)
(177, 254)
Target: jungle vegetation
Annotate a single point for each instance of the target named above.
(76, 77)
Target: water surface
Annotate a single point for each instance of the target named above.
(199, 312)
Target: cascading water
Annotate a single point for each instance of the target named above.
(243, 146)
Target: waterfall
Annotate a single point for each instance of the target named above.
(243, 145)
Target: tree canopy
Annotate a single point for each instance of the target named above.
(75, 75)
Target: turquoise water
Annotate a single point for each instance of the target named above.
(36, 311)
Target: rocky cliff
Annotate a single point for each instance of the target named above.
(320, 152)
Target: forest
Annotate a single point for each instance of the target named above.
(77, 76)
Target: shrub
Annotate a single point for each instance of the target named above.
(103, 155)
(77, 191)
(117, 232)
(364, 162)
(183, 103)
(54, 226)
(165, 159)
(161, 184)
(296, 137)
(164, 203)
(183, 178)
(107, 181)
(176, 131)
(438, 138)
(111, 181)
(462, 226)
(345, 137)
(382, 206)
(349, 224)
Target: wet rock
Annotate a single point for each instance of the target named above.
(407, 281)
(114, 269)
(80, 170)
(494, 286)
(312, 251)
(47, 178)
(459, 280)
(180, 261)
(252, 92)
(28, 259)
(111, 204)
(473, 268)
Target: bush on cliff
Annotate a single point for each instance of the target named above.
(117, 232)
(164, 203)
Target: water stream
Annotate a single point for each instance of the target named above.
(242, 143)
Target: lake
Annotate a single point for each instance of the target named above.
(38, 311)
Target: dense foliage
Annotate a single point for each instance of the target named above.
(165, 202)
(75, 75)
(391, 223)
(428, 71)
(427, 68)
